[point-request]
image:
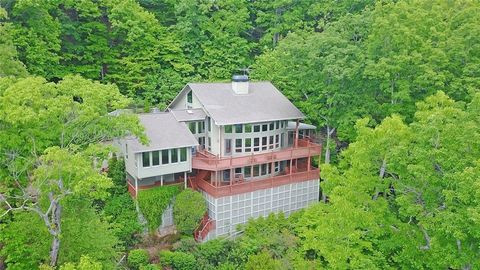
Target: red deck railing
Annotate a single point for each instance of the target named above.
(206, 225)
(252, 185)
(206, 161)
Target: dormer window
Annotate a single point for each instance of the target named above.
(190, 97)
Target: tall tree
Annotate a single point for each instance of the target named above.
(51, 158)
(11, 66)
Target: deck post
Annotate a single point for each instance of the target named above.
(136, 187)
(231, 173)
(296, 133)
(185, 179)
(308, 160)
(161, 180)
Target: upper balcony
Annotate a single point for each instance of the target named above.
(206, 161)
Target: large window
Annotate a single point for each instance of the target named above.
(256, 144)
(248, 128)
(156, 158)
(247, 171)
(256, 128)
(264, 143)
(146, 159)
(183, 154)
(228, 146)
(272, 125)
(248, 145)
(165, 157)
(201, 127)
(174, 155)
(228, 129)
(265, 127)
(238, 145)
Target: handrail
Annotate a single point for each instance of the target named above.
(305, 149)
(248, 186)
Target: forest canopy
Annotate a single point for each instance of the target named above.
(393, 87)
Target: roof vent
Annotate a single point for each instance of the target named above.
(240, 84)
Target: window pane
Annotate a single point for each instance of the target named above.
(228, 129)
(238, 145)
(264, 169)
(248, 128)
(264, 143)
(256, 170)
(277, 124)
(165, 157)
(209, 124)
(193, 127)
(238, 128)
(155, 158)
(256, 128)
(238, 170)
(183, 154)
(146, 159)
(247, 171)
(248, 142)
(174, 154)
(265, 127)
(271, 142)
(272, 127)
(228, 146)
(201, 127)
(190, 97)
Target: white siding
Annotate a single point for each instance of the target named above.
(161, 169)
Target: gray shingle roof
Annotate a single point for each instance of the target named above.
(263, 103)
(189, 115)
(164, 132)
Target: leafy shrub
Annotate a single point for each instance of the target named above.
(137, 258)
(86, 263)
(188, 210)
(150, 267)
(116, 172)
(153, 203)
(121, 209)
(178, 260)
(262, 261)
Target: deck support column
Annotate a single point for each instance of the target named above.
(296, 132)
(231, 174)
(136, 187)
(161, 180)
(185, 179)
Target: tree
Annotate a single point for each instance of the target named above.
(11, 66)
(188, 209)
(45, 168)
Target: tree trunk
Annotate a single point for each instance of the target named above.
(57, 211)
(327, 146)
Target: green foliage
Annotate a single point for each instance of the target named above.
(188, 209)
(86, 263)
(154, 201)
(116, 172)
(11, 66)
(262, 261)
(150, 267)
(27, 241)
(123, 216)
(138, 258)
(178, 260)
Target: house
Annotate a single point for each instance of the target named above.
(241, 144)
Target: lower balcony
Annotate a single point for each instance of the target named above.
(240, 185)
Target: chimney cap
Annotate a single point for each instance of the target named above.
(240, 78)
